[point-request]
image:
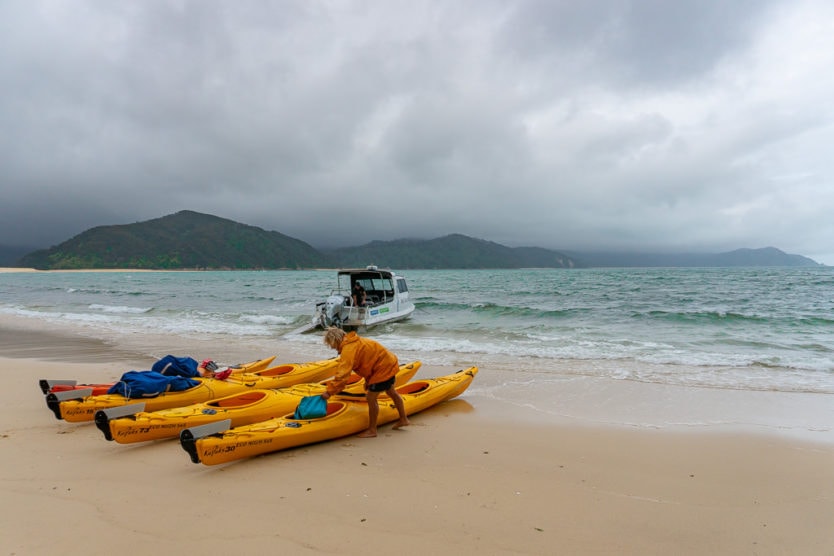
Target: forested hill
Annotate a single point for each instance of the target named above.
(452, 251)
(766, 256)
(191, 240)
(11, 254)
(183, 240)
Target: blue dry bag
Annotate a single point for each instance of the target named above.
(311, 407)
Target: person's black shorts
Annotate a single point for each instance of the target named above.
(382, 386)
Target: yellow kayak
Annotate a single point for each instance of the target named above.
(83, 408)
(216, 443)
(60, 385)
(131, 423)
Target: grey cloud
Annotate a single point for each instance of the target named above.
(640, 124)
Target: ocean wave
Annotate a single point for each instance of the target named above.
(489, 309)
(119, 309)
(204, 324)
(700, 316)
(277, 320)
(105, 291)
(722, 329)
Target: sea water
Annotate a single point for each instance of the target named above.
(750, 329)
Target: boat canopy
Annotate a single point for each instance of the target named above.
(378, 284)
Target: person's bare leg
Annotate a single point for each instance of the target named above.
(373, 414)
(398, 402)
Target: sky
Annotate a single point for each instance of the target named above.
(601, 125)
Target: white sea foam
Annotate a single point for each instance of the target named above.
(119, 308)
(268, 319)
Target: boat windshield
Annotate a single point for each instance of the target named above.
(379, 288)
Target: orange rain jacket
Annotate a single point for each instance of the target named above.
(367, 358)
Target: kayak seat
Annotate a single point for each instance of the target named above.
(247, 398)
(413, 387)
(275, 371)
(334, 407)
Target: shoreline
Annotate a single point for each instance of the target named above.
(9, 269)
(521, 396)
(471, 476)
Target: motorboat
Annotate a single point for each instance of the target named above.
(386, 299)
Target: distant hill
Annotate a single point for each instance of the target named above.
(183, 240)
(452, 251)
(189, 240)
(767, 256)
(10, 255)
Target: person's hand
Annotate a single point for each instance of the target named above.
(326, 396)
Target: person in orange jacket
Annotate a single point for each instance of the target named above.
(370, 360)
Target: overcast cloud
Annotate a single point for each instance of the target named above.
(683, 125)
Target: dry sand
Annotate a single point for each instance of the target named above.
(455, 482)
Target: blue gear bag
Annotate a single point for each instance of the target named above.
(311, 407)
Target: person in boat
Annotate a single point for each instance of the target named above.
(373, 362)
(358, 295)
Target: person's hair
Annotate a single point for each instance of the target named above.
(334, 336)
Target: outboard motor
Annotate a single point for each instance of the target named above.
(332, 315)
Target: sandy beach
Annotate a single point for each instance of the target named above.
(458, 481)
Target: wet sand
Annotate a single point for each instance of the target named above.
(458, 481)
